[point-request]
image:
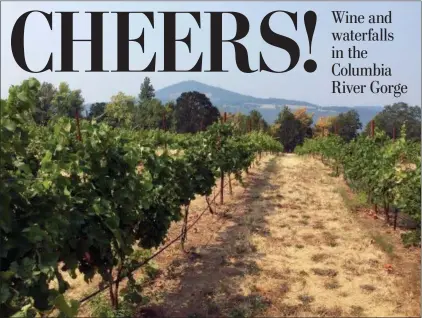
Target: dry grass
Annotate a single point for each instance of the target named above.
(332, 284)
(287, 246)
(319, 257)
(325, 272)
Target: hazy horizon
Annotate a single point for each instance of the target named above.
(402, 55)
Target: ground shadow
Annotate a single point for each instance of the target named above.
(208, 283)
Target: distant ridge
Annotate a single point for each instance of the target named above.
(234, 102)
(220, 96)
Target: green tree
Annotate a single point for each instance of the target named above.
(240, 122)
(257, 121)
(169, 113)
(120, 111)
(96, 111)
(149, 115)
(347, 125)
(194, 111)
(394, 116)
(43, 107)
(66, 101)
(288, 129)
(147, 91)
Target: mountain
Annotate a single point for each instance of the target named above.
(220, 96)
(228, 101)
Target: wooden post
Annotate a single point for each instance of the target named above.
(394, 133)
(77, 124)
(222, 188)
(395, 218)
(249, 125)
(372, 128)
(225, 116)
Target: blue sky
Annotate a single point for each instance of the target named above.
(403, 55)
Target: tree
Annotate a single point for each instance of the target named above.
(96, 110)
(43, 107)
(66, 101)
(306, 121)
(394, 116)
(193, 112)
(169, 113)
(323, 125)
(240, 122)
(256, 121)
(120, 111)
(149, 115)
(346, 125)
(147, 91)
(288, 129)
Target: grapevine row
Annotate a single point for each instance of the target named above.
(387, 170)
(86, 203)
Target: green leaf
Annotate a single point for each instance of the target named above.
(66, 192)
(67, 127)
(23, 96)
(59, 147)
(23, 167)
(69, 310)
(8, 124)
(47, 184)
(47, 158)
(4, 293)
(23, 312)
(6, 275)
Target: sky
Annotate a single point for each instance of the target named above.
(403, 54)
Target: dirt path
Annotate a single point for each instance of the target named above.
(286, 246)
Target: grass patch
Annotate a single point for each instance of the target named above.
(353, 201)
(383, 243)
(324, 272)
(319, 257)
(249, 306)
(329, 312)
(368, 288)
(330, 239)
(289, 310)
(333, 284)
(356, 311)
(100, 307)
(306, 299)
(284, 288)
(300, 246)
(412, 238)
(304, 222)
(253, 268)
(319, 225)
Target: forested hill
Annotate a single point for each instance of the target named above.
(229, 101)
(220, 96)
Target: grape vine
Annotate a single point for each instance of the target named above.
(87, 204)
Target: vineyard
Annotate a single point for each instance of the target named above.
(83, 195)
(387, 171)
(84, 201)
